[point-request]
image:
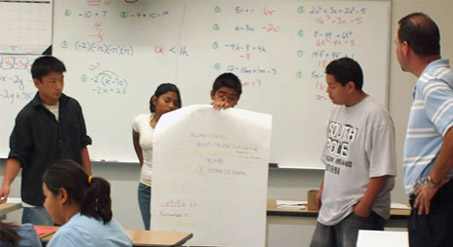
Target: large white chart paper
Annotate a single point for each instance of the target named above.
(210, 172)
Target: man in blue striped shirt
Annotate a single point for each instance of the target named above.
(428, 150)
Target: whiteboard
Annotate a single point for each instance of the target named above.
(16, 90)
(117, 53)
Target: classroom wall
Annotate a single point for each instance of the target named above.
(292, 183)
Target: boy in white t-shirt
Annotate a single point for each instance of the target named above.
(359, 157)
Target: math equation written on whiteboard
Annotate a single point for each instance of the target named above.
(16, 84)
(248, 39)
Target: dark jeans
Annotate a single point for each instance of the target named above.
(345, 233)
(36, 216)
(436, 228)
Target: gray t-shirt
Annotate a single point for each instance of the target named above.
(360, 145)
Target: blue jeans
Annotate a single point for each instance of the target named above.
(144, 202)
(36, 216)
(345, 233)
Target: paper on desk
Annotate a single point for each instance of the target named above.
(396, 205)
(44, 230)
(14, 200)
(291, 207)
(294, 203)
(281, 204)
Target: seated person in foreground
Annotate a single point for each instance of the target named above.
(82, 204)
(12, 235)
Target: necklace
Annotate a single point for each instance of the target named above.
(153, 121)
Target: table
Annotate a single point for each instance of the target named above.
(296, 226)
(141, 238)
(8, 207)
(156, 238)
(274, 211)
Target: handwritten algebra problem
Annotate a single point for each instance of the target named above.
(13, 62)
(90, 14)
(329, 41)
(15, 80)
(249, 28)
(12, 96)
(251, 70)
(238, 47)
(331, 54)
(252, 83)
(143, 14)
(106, 82)
(108, 49)
(320, 10)
(12, 80)
(334, 39)
(338, 16)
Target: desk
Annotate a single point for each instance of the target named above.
(296, 226)
(9, 207)
(155, 238)
(150, 238)
(274, 211)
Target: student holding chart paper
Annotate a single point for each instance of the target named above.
(166, 98)
(359, 157)
(226, 90)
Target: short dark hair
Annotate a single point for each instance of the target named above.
(164, 88)
(345, 70)
(229, 80)
(92, 195)
(44, 65)
(8, 234)
(421, 33)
